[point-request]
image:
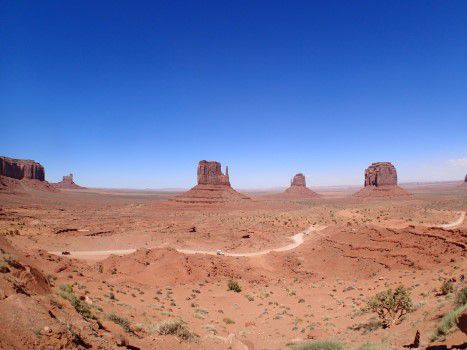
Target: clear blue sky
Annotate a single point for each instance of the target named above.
(133, 94)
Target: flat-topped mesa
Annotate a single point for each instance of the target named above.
(21, 169)
(298, 180)
(210, 173)
(213, 186)
(298, 189)
(381, 174)
(67, 183)
(381, 181)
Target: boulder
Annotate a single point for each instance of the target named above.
(21, 169)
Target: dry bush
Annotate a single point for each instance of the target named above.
(391, 306)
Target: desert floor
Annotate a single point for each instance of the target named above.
(125, 254)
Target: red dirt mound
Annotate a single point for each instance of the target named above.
(382, 191)
(298, 192)
(211, 194)
(10, 185)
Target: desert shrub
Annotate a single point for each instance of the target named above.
(228, 321)
(391, 306)
(447, 323)
(321, 345)
(4, 268)
(121, 321)
(461, 297)
(66, 292)
(447, 287)
(373, 346)
(234, 286)
(174, 327)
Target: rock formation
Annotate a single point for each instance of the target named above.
(22, 175)
(210, 173)
(381, 174)
(465, 179)
(298, 189)
(213, 186)
(298, 180)
(381, 181)
(21, 169)
(68, 183)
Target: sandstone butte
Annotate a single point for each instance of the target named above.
(298, 188)
(21, 169)
(213, 186)
(19, 175)
(381, 181)
(68, 183)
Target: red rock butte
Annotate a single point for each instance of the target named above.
(381, 181)
(67, 183)
(21, 169)
(213, 186)
(298, 188)
(20, 175)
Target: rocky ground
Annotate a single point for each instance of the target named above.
(157, 297)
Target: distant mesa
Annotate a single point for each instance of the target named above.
(68, 183)
(381, 181)
(213, 186)
(298, 188)
(22, 174)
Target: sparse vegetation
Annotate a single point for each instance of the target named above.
(66, 292)
(174, 327)
(228, 321)
(447, 324)
(321, 345)
(461, 297)
(121, 321)
(391, 306)
(234, 286)
(447, 287)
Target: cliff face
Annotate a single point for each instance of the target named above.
(210, 173)
(381, 174)
(21, 169)
(298, 180)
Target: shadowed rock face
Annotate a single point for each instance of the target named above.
(298, 180)
(381, 174)
(210, 173)
(465, 180)
(21, 169)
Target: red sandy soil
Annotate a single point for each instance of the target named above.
(315, 291)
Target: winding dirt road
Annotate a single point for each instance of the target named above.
(455, 223)
(297, 240)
